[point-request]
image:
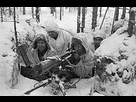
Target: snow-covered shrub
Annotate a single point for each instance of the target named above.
(116, 61)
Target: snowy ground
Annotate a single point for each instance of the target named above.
(83, 87)
(69, 21)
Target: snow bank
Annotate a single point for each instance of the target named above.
(9, 68)
(116, 59)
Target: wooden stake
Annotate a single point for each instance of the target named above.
(104, 17)
(15, 30)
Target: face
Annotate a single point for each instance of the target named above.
(53, 34)
(79, 48)
(41, 45)
(97, 41)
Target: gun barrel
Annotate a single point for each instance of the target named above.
(67, 54)
(43, 85)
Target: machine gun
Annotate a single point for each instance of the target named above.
(52, 63)
(54, 78)
(42, 85)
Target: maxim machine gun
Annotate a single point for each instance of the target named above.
(54, 65)
(53, 71)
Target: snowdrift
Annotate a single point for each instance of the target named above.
(9, 68)
(116, 64)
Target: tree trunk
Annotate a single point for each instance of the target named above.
(3, 10)
(10, 11)
(60, 13)
(94, 17)
(15, 30)
(83, 19)
(53, 10)
(86, 10)
(20, 9)
(69, 9)
(78, 19)
(104, 17)
(24, 11)
(123, 13)
(37, 14)
(113, 21)
(32, 12)
(131, 21)
(116, 13)
(1, 14)
(100, 11)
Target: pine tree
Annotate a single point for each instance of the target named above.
(113, 21)
(55, 11)
(83, 19)
(15, 30)
(32, 12)
(78, 19)
(10, 11)
(104, 17)
(69, 9)
(60, 13)
(123, 13)
(51, 10)
(116, 13)
(1, 14)
(37, 12)
(3, 10)
(94, 17)
(131, 21)
(100, 11)
(24, 11)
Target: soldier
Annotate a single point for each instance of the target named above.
(82, 62)
(58, 38)
(37, 53)
(98, 37)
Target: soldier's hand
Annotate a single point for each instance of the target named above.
(45, 62)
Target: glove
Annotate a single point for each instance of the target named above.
(74, 59)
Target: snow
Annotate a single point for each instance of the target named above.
(122, 45)
(133, 8)
(14, 84)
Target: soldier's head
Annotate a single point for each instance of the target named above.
(77, 45)
(98, 37)
(115, 28)
(40, 42)
(52, 29)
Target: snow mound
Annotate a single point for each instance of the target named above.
(116, 61)
(9, 68)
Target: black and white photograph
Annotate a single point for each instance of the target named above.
(67, 51)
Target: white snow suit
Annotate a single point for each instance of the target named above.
(85, 65)
(63, 39)
(99, 33)
(33, 53)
